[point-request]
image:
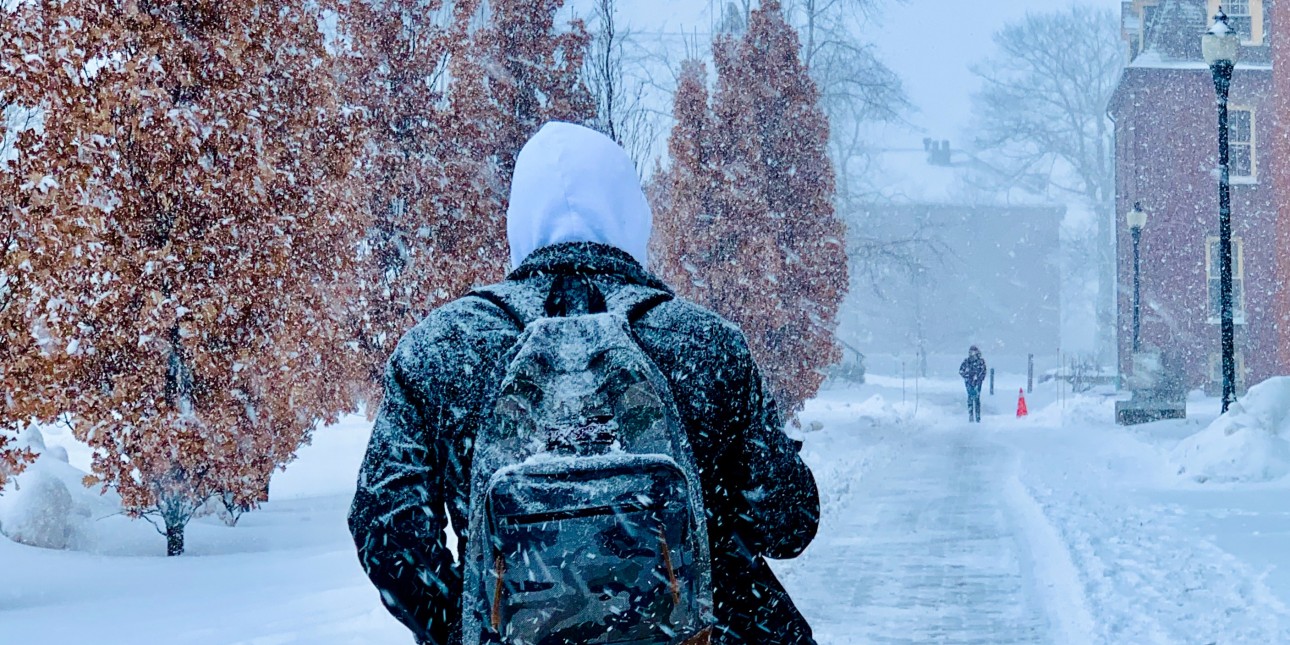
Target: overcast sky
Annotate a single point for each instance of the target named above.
(931, 44)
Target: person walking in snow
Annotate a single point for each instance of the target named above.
(578, 226)
(972, 369)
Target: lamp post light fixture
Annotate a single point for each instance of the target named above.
(1221, 46)
(1137, 220)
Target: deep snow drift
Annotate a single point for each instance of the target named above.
(1056, 528)
(1251, 443)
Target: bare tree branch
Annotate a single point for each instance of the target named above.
(620, 96)
(1042, 113)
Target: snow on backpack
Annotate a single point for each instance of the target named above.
(586, 516)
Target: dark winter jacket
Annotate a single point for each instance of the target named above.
(761, 499)
(972, 369)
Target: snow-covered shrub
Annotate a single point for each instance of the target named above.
(1251, 443)
(47, 506)
(43, 514)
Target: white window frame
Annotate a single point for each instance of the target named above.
(1253, 144)
(1212, 278)
(1253, 10)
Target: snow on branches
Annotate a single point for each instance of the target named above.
(448, 101)
(745, 224)
(12, 460)
(396, 72)
(202, 217)
(223, 218)
(32, 248)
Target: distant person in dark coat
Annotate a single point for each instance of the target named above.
(973, 372)
(578, 215)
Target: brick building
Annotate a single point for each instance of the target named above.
(1166, 156)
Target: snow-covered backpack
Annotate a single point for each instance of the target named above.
(586, 516)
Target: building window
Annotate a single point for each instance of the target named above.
(1213, 279)
(1240, 143)
(1245, 16)
(1216, 372)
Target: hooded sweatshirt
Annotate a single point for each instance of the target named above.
(573, 184)
(577, 210)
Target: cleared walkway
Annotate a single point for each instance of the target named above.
(928, 552)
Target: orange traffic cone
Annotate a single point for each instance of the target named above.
(1021, 403)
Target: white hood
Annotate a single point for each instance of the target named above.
(573, 184)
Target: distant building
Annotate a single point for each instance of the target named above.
(956, 265)
(1166, 155)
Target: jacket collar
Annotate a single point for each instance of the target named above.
(586, 258)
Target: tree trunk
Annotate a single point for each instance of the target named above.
(174, 538)
(808, 56)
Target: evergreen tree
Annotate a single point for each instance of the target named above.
(750, 231)
(198, 176)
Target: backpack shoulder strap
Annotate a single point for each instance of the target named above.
(634, 301)
(522, 303)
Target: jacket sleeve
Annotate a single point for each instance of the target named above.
(398, 516)
(783, 504)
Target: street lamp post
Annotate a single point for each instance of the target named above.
(1137, 220)
(1221, 46)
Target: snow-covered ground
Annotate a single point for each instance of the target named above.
(285, 574)
(1060, 527)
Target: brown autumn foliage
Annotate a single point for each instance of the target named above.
(447, 108)
(531, 74)
(518, 72)
(202, 212)
(749, 228)
(395, 72)
(21, 366)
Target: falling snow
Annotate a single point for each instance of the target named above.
(244, 319)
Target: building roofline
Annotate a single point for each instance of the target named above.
(1117, 95)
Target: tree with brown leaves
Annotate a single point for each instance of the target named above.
(750, 229)
(396, 75)
(509, 77)
(19, 357)
(532, 74)
(196, 155)
(447, 107)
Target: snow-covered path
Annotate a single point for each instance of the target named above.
(1061, 528)
(1151, 560)
(931, 552)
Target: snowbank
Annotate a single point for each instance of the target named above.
(48, 506)
(843, 406)
(874, 412)
(1251, 443)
